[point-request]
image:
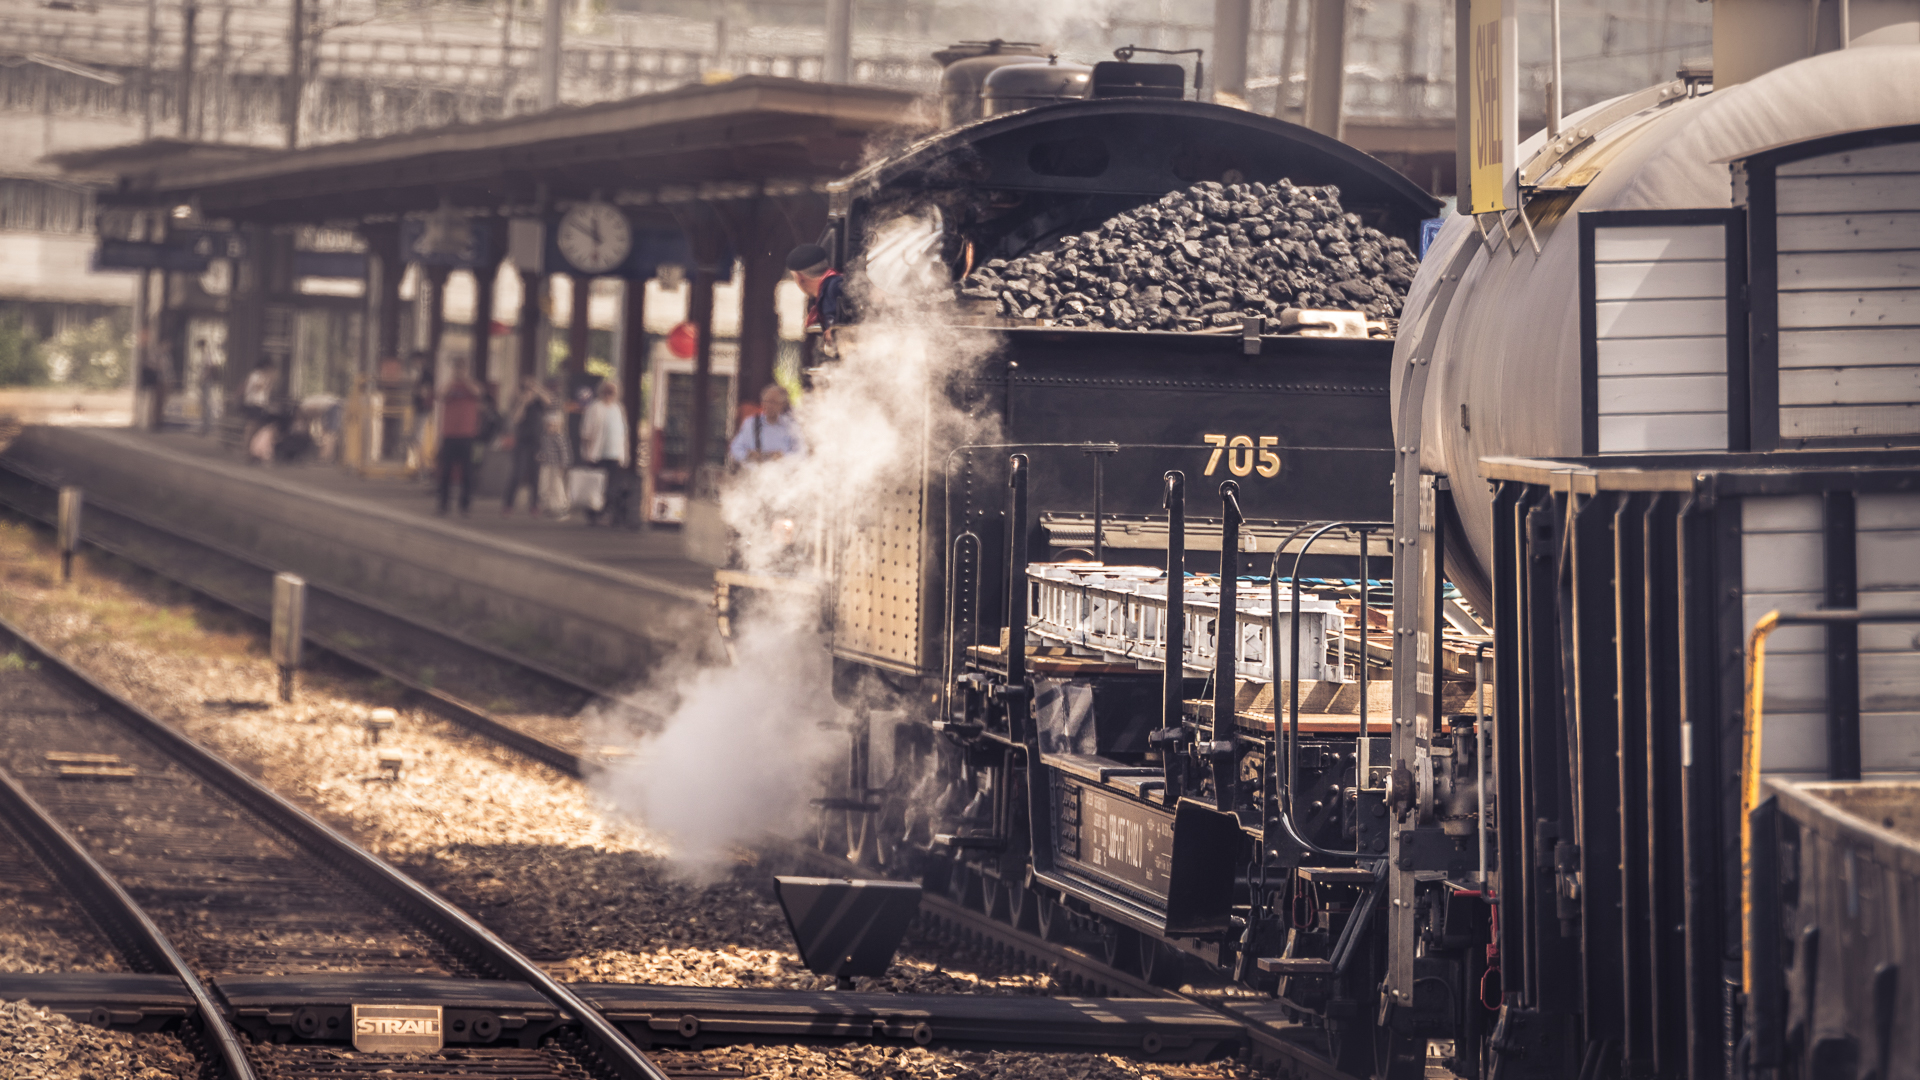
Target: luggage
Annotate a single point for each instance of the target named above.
(587, 487)
(553, 491)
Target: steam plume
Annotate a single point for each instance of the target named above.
(745, 745)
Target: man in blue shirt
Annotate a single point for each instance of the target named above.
(770, 435)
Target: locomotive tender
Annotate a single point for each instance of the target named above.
(1537, 849)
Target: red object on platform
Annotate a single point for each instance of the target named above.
(683, 339)
(496, 328)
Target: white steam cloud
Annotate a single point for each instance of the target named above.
(745, 746)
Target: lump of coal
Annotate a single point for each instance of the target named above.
(1207, 256)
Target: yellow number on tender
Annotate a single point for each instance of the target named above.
(1243, 458)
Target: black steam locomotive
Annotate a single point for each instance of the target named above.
(1065, 775)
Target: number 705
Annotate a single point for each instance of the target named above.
(1242, 456)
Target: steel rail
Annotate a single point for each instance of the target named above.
(133, 933)
(455, 928)
(1022, 945)
(448, 705)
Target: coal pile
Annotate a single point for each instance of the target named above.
(1207, 257)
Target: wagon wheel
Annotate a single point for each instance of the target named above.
(1023, 908)
(828, 828)
(859, 837)
(1159, 961)
(1120, 947)
(1050, 918)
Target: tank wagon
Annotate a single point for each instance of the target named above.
(1673, 393)
(1727, 425)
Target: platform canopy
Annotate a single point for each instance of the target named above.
(736, 168)
(749, 136)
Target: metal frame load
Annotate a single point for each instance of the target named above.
(1625, 589)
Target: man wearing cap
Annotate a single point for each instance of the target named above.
(826, 298)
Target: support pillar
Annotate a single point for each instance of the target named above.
(633, 361)
(246, 316)
(764, 255)
(527, 332)
(435, 279)
(1327, 67)
(383, 300)
(577, 328)
(700, 314)
(480, 363)
(1232, 26)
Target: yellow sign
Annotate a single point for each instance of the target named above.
(1486, 132)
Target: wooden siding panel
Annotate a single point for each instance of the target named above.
(1890, 158)
(1829, 271)
(1874, 512)
(1860, 308)
(1666, 356)
(1892, 346)
(1666, 280)
(1661, 318)
(1647, 243)
(1848, 421)
(1847, 232)
(1655, 394)
(1675, 433)
(1850, 386)
(1841, 194)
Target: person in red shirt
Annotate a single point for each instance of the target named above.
(459, 427)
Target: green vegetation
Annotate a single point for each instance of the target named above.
(21, 362)
(97, 355)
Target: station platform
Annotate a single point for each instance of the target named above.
(603, 604)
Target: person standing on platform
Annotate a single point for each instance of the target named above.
(603, 443)
(769, 435)
(256, 402)
(459, 430)
(553, 457)
(422, 412)
(529, 426)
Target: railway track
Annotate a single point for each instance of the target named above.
(199, 872)
(338, 621)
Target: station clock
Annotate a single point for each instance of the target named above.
(594, 237)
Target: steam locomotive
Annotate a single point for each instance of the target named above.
(1160, 703)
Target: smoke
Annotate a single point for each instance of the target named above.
(745, 745)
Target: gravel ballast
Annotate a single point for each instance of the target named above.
(523, 847)
(1206, 257)
(37, 1044)
(520, 846)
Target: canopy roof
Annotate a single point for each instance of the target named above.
(767, 133)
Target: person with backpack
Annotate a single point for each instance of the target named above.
(459, 429)
(770, 434)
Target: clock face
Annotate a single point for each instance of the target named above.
(594, 237)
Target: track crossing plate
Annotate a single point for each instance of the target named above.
(397, 1029)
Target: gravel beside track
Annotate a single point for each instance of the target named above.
(519, 845)
(516, 843)
(913, 1063)
(36, 1044)
(41, 928)
(228, 890)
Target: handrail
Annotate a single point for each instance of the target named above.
(1284, 808)
(1751, 741)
